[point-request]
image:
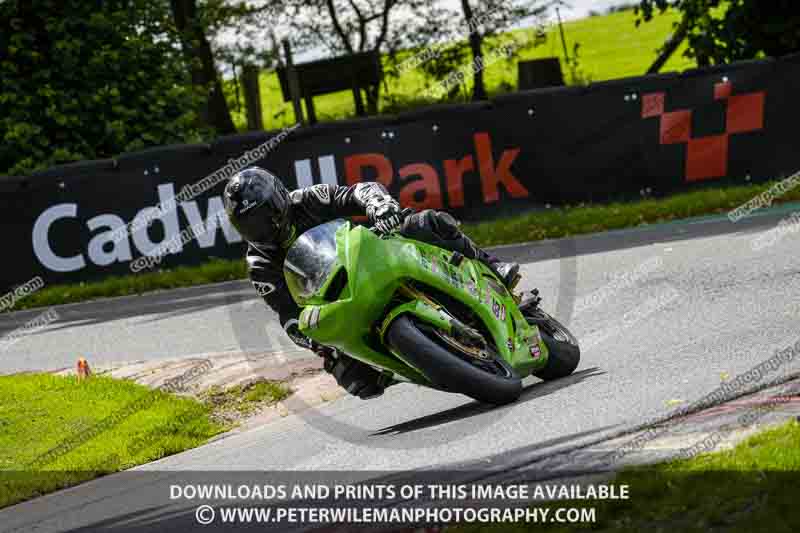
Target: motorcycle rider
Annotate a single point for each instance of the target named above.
(270, 218)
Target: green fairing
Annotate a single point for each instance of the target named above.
(376, 269)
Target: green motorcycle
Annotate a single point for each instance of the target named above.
(422, 314)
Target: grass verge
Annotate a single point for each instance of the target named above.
(543, 224)
(565, 222)
(231, 404)
(98, 426)
(751, 488)
(213, 271)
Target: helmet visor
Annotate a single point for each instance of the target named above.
(266, 222)
(255, 228)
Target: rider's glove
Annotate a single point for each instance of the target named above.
(384, 213)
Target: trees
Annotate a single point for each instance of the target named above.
(352, 26)
(721, 31)
(82, 80)
(475, 45)
(386, 26)
(490, 17)
(191, 27)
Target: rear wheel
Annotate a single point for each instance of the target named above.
(452, 367)
(564, 352)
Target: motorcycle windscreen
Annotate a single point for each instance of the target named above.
(311, 258)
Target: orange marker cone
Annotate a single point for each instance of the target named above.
(83, 368)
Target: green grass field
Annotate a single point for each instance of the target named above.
(96, 426)
(611, 46)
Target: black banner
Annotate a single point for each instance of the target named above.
(138, 501)
(558, 146)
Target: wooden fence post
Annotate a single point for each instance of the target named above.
(252, 98)
(294, 83)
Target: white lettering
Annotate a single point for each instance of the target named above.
(215, 219)
(327, 170)
(109, 242)
(41, 240)
(141, 237)
(120, 249)
(169, 220)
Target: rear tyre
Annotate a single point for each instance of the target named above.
(562, 346)
(486, 381)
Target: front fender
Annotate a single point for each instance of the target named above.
(421, 310)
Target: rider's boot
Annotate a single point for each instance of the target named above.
(357, 378)
(507, 272)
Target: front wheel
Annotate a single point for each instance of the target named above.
(564, 352)
(490, 379)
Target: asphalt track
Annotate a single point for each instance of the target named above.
(662, 312)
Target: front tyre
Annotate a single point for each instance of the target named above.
(564, 352)
(491, 381)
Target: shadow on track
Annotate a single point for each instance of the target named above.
(530, 392)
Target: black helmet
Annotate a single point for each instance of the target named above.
(257, 204)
